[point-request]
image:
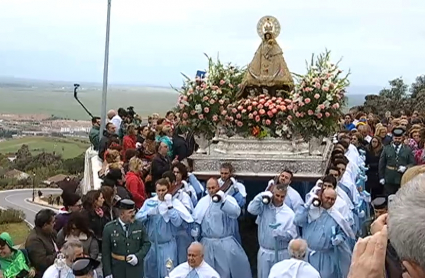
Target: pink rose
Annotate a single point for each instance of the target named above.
(249, 108)
(327, 114)
(317, 85)
(289, 107)
(255, 113)
(297, 114)
(181, 105)
(206, 110)
(231, 119)
(184, 98)
(250, 116)
(215, 118)
(270, 114)
(335, 106)
(238, 116)
(193, 112)
(239, 123)
(262, 111)
(212, 101)
(224, 112)
(262, 101)
(260, 106)
(316, 96)
(257, 118)
(214, 87)
(321, 106)
(301, 104)
(254, 103)
(243, 111)
(240, 107)
(274, 110)
(201, 117)
(319, 115)
(234, 110)
(307, 100)
(222, 82)
(326, 89)
(268, 122)
(221, 101)
(310, 112)
(205, 98)
(289, 118)
(288, 101)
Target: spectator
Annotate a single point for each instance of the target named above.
(129, 141)
(117, 119)
(94, 133)
(348, 123)
(373, 153)
(109, 192)
(41, 242)
(77, 228)
(72, 203)
(405, 228)
(134, 182)
(161, 162)
(180, 147)
(142, 133)
(72, 249)
(92, 204)
(104, 143)
(13, 262)
(164, 135)
(115, 178)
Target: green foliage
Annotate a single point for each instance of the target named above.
(11, 216)
(74, 165)
(396, 98)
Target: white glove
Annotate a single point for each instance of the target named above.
(266, 194)
(233, 180)
(275, 233)
(337, 240)
(361, 214)
(319, 182)
(109, 276)
(222, 195)
(138, 145)
(194, 232)
(382, 181)
(153, 211)
(310, 200)
(132, 259)
(402, 169)
(168, 199)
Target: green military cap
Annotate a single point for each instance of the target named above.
(126, 204)
(398, 132)
(379, 203)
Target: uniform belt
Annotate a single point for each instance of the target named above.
(118, 257)
(392, 168)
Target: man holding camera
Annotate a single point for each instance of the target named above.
(326, 232)
(275, 227)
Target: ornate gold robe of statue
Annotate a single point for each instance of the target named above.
(267, 69)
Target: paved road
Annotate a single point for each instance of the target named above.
(17, 199)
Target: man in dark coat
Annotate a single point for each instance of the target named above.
(41, 242)
(108, 133)
(124, 245)
(394, 161)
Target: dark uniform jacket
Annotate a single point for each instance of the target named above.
(390, 161)
(116, 242)
(41, 250)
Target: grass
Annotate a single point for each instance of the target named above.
(18, 232)
(68, 148)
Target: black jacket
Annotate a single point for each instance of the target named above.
(180, 148)
(160, 165)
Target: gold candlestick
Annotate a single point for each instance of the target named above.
(169, 265)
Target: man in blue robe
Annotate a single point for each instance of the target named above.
(162, 216)
(292, 199)
(326, 231)
(275, 227)
(216, 214)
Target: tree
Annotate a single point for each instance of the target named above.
(23, 157)
(397, 91)
(417, 86)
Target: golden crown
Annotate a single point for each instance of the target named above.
(268, 27)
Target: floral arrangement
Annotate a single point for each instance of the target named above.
(260, 116)
(203, 101)
(318, 98)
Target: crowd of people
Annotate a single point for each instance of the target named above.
(153, 218)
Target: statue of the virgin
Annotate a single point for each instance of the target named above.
(267, 70)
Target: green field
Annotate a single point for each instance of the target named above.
(68, 148)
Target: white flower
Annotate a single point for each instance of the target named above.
(198, 108)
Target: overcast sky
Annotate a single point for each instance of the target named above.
(153, 41)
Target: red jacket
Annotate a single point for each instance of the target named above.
(135, 185)
(129, 142)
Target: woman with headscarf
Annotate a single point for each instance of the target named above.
(13, 262)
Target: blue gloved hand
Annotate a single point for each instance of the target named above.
(337, 240)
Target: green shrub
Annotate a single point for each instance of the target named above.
(11, 216)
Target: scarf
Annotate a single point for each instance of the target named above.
(99, 212)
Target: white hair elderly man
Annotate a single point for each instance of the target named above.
(405, 227)
(296, 266)
(195, 267)
(71, 250)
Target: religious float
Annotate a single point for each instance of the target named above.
(262, 118)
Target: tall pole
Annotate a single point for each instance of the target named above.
(105, 72)
(33, 187)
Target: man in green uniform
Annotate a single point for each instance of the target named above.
(124, 245)
(395, 159)
(380, 206)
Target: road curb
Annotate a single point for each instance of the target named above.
(28, 200)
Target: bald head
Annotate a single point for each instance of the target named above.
(195, 254)
(297, 248)
(328, 198)
(212, 186)
(111, 114)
